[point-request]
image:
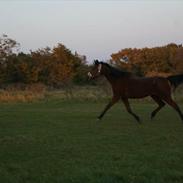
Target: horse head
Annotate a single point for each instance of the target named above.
(97, 70)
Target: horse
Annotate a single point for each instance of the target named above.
(126, 85)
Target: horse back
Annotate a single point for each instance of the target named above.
(132, 86)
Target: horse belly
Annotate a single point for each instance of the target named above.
(140, 92)
(138, 95)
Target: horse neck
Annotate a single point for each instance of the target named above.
(109, 78)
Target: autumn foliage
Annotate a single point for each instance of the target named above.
(163, 60)
(54, 67)
(59, 67)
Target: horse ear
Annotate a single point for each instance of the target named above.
(96, 62)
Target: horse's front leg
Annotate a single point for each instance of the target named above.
(127, 105)
(109, 105)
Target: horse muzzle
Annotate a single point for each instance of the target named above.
(90, 76)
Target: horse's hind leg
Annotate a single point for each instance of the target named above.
(160, 103)
(127, 105)
(173, 104)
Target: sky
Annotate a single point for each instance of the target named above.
(95, 28)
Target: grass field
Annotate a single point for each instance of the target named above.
(61, 142)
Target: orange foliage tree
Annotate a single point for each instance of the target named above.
(163, 60)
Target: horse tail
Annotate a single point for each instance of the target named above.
(175, 80)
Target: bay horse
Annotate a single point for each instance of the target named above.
(126, 85)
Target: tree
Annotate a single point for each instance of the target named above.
(163, 60)
(8, 48)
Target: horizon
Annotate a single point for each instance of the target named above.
(92, 28)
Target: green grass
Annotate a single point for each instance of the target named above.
(62, 142)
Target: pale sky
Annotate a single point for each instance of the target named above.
(92, 28)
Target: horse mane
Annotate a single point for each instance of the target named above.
(116, 72)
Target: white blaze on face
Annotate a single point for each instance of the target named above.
(99, 68)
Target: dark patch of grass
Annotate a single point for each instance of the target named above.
(60, 141)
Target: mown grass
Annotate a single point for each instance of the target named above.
(57, 141)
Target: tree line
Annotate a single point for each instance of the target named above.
(162, 61)
(55, 67)
(58, 66)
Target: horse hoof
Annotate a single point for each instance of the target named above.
(98, 119)
(139, 121)
(152, 117)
